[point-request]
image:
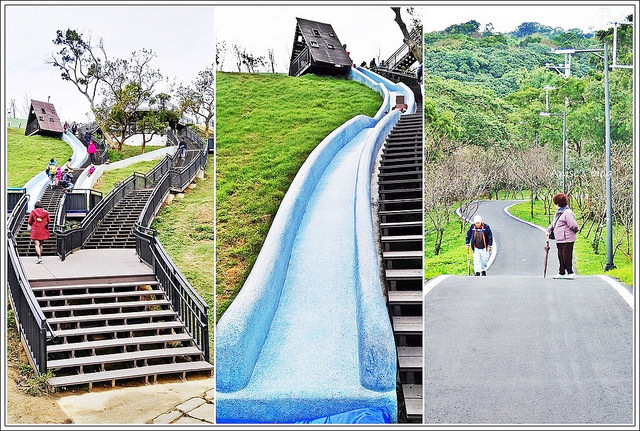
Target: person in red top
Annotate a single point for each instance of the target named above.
(91, 150)
(39, 221)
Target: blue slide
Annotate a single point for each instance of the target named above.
(308, 338)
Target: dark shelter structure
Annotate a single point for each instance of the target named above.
(317, 49)
(43, 120)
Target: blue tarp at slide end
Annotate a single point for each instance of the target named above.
(374, 415)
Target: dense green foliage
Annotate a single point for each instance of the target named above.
(266, 127)
(484, 93)
(29, 155)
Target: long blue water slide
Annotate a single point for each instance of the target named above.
(308, 336)
(38, 183)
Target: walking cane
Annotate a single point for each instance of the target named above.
(546, 256)
(468, 263)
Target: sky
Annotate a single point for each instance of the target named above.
(369, 31)
(182, 38)
(505, 18)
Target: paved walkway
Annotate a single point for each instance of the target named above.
(517, 348)
(86, 263)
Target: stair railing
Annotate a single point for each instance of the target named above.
(79, 201)
(30, 320)
(191, 308)
(14, 194)
(71, 239)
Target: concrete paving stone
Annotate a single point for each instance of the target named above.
(167, 418)
(204, 412)
(186, 420)
(210, 394)
(190, 404)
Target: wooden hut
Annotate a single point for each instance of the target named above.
(43, 119)
(317, 49)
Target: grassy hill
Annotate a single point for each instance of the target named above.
(266, 127)
(29, 155)
(185, 230)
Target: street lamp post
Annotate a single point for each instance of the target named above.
(564, 145)
(607, 144)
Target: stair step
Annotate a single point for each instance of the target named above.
(119, 342)
(398, 238)
(122, 357)
(413, 401)
(101, 306)
(399, 297)
(96, 286)
(407, 325)
(152, 370)
(111, 316)
(119, 328)
(91, 296)
(408, 254)
(410, 358)
(403, 274)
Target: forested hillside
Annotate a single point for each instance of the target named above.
(484, 93)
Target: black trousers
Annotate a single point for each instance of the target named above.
(565, 256)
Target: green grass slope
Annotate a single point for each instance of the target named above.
(109, 179)
(185, 230)
(266, 127)
(29, 155)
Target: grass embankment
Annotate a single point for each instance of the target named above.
(29, 155)
(266, 127)
(127, 151)
(587, 262)
(185, 230)
(109, 179)
(452, 258)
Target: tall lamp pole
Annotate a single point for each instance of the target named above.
(607, 144)
(564, 145)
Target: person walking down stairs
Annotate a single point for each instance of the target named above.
(39, 222)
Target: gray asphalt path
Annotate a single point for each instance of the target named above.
(520, 349)
(520, 247)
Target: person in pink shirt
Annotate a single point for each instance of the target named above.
(91, 150)
(563, 230)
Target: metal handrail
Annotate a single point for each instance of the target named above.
(18, 213)
(30, 319)
(72, 239)
(191, 308)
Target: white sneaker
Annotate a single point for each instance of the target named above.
(38, 260)
(559, 276)
(570, 276)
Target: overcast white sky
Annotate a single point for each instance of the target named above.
(182, 38)
(368, 31)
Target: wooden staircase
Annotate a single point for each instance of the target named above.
(402, 238)
(115, 230)
(116, 328)
(50, 201)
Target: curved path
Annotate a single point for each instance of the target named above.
(310, 364)
(515, 348)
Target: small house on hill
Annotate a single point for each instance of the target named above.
(317, 49)
(43, 119)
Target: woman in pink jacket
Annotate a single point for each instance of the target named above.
(39, 221)
(91, 150)
(564, 228)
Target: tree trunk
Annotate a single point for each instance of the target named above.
(415, 49)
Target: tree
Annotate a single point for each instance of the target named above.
(81, 63)
(221, 48)
(272, 61)
(156, 121)
(129, 84)
(198, 98)
(415, 48)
